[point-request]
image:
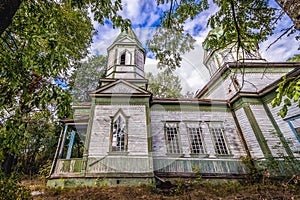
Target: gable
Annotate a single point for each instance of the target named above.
(120, 87)
(126, 40)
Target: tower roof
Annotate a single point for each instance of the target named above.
(127, 33)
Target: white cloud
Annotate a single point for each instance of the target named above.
(145, 14)
(284, 48)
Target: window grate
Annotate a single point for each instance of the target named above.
(172, 139)
(219, 140)
(197, 146)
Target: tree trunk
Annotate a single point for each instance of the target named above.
(292, 8)
(8, 8)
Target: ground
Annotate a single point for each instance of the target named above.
(181, 190)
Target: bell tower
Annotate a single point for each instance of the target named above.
(126, 59)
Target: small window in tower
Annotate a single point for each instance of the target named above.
(123, 57)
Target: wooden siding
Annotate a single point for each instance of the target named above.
(206, 166)
(249, 135)
(253, 82)
(137, 129)
(68, 167)
(183, 118)
(268, 131)
(120, 164)
(284, 127)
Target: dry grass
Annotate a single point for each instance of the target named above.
(181, 191)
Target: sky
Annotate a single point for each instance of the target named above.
(144, 16)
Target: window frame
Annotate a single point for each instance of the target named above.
(123, 58)
(202, 147)
(114, 118)
(219, 126)
(178, 151)
(294, 129)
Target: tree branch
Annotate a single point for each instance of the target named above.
(8, 8)
(285, 32)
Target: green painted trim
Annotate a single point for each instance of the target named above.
(244, 101)
(280, 135)
(99, 181)
(148, 124)
(195, 108)
(269, 97)
(216, 84)
(258, 133)
(87, 139)
(114, 100)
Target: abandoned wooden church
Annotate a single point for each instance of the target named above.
(125, 136)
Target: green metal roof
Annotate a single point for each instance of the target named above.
(128, 33)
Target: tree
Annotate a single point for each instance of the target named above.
(295, 58)
(102, 9)
(243, 23)
(164, 85)
(38, 48)
(288, 91)
(292, 9)
(86, 77)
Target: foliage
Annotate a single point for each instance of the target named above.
(295, 58)
(242, 23)
(41, 141)
(164, 85)
(86, 77)
(288, 91)
(44, 170)
(36, 52)
(170, 40)
(245, 23)
(38, 48)
(11, 189)
(255, 174)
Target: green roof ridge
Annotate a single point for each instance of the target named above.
(128, 33)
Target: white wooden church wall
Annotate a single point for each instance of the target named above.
(249, 135)
(285, 129)
(251, 82)
(268, 131)
(137, 129)
(158, 118)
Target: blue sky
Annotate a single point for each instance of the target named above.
(144, 16)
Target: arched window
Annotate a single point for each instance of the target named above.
(123, 58)
(119, 132)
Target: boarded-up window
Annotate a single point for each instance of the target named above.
(172, 138)
(196, 143)
(219, 140)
